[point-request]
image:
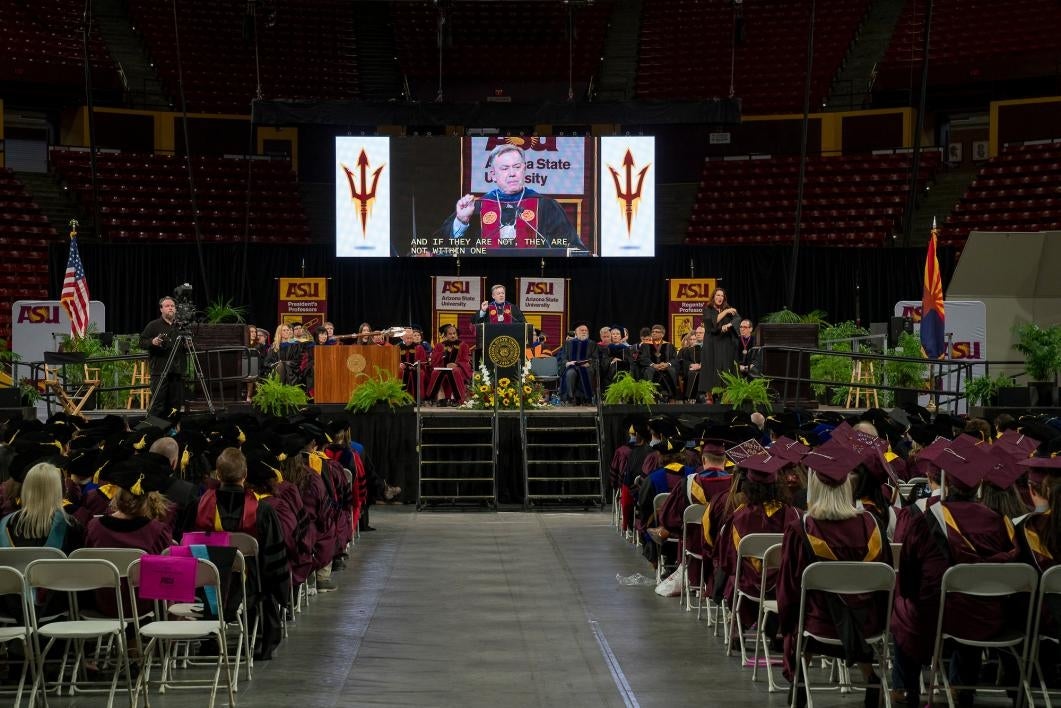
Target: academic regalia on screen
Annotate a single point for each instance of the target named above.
(505, 313)
(527, 220)
(720, 348)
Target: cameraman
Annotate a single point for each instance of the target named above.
(158, 339)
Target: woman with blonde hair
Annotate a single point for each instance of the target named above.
(41, 521)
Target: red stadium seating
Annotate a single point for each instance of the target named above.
(1020, 190)
(974, 41)
(42, 43)
(848, 201)
(500, 44)
(308, 52)
(25, 233)
(145, 197)
(686, 50)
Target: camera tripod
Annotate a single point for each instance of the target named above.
(185, 339)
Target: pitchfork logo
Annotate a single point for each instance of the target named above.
(363, 195)
(627, 194)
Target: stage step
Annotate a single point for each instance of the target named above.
(462, 471)
(563, 463)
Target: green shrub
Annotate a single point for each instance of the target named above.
(384, 387)
(278, 399)
(737, 391)
(626, 389)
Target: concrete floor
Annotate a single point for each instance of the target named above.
(494, 609)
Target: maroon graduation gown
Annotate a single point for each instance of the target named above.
(772, 517)
(973, 534)
(458, 357)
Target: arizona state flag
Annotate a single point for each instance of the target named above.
(932, 312)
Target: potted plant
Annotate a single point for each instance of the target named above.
(222, 311)
(983, 390)
(275, 398)
(744, 394)
(1041, 347)
(626, 389)
(382, 389)
(837, 369)
(906, 374)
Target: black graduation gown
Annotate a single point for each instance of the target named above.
(690, 379)
(663, 353)
(552, 225)
(720, 348)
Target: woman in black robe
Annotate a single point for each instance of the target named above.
(719, 352)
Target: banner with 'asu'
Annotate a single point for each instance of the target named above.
(303, 300)
(544, 302)
(687, 298)
(362, 196)
(455, 300)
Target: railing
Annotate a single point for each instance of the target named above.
(939, 371)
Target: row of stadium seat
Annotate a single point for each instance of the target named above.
(25, 233)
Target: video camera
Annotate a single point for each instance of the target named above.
(185, 305)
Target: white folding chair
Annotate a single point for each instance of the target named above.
(1049, 584)
(844, 578)
(617, 512)
(767, 606)
(897, 549)
(986, 580)
(692, 518)
(751, 547)
(72, 576)
(247, 545)
(12, 583)
(657, 504)
(170, 632)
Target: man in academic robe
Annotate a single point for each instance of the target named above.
(412, 360)
(749, 356)
(577, 361)
(656, 361)
(451, 368)
(498, 310)
(689, 366)
(511, 216)
(957, 529)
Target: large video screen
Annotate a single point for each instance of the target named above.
(494, 196)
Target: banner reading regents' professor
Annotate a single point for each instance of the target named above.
(521, 196)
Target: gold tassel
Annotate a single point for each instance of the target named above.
(281, 457)
(136, 488)
(276, 472)
(95, 475)
(241, 437)
(141, 443)
(185, 458)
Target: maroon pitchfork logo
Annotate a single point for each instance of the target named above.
(628, 196)
(363, 195)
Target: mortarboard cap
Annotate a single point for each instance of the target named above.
(791, 450)
(832, 462)
(1018, 445)
(763, 468)
(1003, 470)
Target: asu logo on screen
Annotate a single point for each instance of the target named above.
(362, 196)
(628, 196)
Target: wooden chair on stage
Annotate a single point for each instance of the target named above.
(862, 373)
(141, 378)
(72, 396)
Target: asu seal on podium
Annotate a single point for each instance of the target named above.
(504, 351)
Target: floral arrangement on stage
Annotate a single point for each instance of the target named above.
(507, 394)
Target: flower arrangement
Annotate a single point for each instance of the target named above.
(507, 394)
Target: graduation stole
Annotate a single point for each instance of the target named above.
(1036, 545)
(770, 508)
(502, 315)
(526, 221)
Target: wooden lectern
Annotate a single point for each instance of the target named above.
(503, 347)
(339, 370)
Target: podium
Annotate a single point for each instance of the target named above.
(503, 347)
(338, 370)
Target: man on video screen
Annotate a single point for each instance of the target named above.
(511, 216)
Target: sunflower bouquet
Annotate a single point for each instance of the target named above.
(506, 393)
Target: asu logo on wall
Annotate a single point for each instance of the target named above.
(628, 196)
(362, 196)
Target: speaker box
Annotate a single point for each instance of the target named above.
(10, 397)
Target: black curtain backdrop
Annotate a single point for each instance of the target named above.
(129, 280)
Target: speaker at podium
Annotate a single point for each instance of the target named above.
(503, 347)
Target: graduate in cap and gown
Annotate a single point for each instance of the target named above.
(832, 530)
(763, 511)
(451, 368)
(956, 529)
(138, 511)
(669, 475)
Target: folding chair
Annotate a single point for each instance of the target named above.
(752, 547)
(767, 606)
(844, 578)
(657, 504)
(169, 632)
(71, 396)
(986, 580)
(1049, 584)
(546, 370)
(897, 549)
(692, 516)
(12, 582)
(247, 545)
(73, 576)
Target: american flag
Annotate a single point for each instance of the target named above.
(75, 291)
